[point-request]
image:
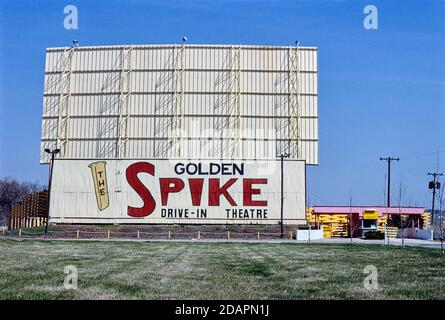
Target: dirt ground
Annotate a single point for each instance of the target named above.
(250, 232)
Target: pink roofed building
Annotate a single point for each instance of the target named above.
(343, 220)
(381, 210)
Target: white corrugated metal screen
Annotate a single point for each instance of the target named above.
(181, 101)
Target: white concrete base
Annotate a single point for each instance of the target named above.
(315, 234)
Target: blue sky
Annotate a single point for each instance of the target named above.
(381, 92)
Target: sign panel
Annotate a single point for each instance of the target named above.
(177, 191)
(370, 215)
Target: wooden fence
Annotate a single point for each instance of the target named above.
(32, 211)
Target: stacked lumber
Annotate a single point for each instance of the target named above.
(310, 217)
(383, 220)
(334, 225)
(426, 218)
(391, 232)
(339, 230)
(30, 212)
(327, 231)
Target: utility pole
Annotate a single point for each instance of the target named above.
(435, 185)
(282, 156)
(389, 160)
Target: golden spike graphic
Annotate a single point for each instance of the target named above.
(98, 171)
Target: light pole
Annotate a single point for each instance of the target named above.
(51, 165)
(282, 156)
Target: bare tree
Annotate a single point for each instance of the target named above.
(441, 216)
(350, 218)
(384, 191)
(402, 194)
(12, 192)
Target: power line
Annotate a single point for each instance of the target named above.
(421, 154)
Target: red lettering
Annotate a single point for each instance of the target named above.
(248, 191)
(169, 185)
(141, 190)
(195, 185)
(215, 191)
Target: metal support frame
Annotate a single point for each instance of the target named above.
(178, 96)
(294, 103)
(281, 109)
(115, 108)
(64, 100)
(124, 102)
(235, 111)
(53, 88)
(227, 106)
(169, 92)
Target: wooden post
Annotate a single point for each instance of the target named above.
(258, 235)
(290, 235)
(20, 232)
(3, 231)
(77, 234)
(169, 234)
(199, 235)
(138, 234)
(228, 235)
(108, 235)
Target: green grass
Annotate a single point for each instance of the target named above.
(170, 270)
